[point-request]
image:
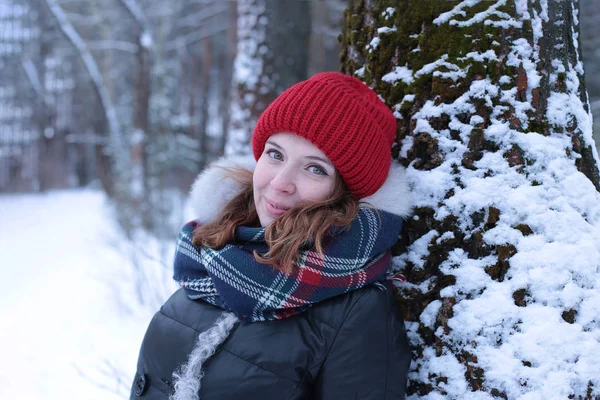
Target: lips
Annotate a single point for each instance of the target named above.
(274, 208)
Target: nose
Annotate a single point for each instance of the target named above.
(283, 181)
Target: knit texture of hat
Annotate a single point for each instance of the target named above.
(342, 117)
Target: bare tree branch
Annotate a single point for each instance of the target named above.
(195, 19)
(133, 8)
(34, 79)
(118, 45)
(115, 134)
(196, 36)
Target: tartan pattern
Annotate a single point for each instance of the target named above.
(230, 278)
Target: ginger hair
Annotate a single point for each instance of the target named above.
(304, 225)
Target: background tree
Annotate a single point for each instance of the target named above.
(504, 247)
(159, 76)
(261, 72)
(19, 153)
(324, 48)
(590, 48)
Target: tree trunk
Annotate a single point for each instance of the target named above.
(590, 39)
(204, 96)
(494, 127)
(226, 75)
(118, 147)
(267, 29)
(326, 24)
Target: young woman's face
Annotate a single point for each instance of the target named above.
(290, 170)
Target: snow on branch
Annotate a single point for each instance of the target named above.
(136, 12)
(248, 81)
(504, 19)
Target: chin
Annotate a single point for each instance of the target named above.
(266, 222)
(264, 219)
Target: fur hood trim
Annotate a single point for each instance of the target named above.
(213, 189)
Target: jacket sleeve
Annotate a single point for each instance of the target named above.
(370, 356)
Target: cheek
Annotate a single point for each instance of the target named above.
(317, 191)
(260, 177)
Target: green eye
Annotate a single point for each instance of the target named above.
(274, 154)
(316, 169)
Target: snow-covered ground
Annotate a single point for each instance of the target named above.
(71, 322)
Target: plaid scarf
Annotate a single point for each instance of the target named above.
(232, 279)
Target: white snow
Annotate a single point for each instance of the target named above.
(399, 74)
(506, 21)
(386, 29)
(526, 352)
(374, 43)
(146, 40)
(481, 57)
(389, 13)
(419, 251)
(430, 313)
(72, 324)
(455, 72)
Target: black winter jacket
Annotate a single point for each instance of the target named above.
(350, 347)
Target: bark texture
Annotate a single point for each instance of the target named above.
(472, 84)
(267, 29)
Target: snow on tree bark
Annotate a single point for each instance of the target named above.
(139, 138)
(503, 255)
(247, 74)
(271, 56)
(590, 49)
(143, 172)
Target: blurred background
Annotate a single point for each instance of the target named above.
(108, 111)
(134, 97)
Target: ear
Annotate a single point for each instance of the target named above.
(213, 189)
(394, 195)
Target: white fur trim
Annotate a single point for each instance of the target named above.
(394, 195)
(187, 381)
(212, 190)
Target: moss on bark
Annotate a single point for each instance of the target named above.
(418, 42)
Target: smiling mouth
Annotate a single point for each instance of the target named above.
(275, 209)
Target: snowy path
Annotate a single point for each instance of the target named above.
(59, 316)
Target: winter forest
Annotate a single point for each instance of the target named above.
(110, 108)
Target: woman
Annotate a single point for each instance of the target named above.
(281, 273)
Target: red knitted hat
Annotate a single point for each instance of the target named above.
(341, 116)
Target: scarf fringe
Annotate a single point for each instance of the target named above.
(187, 382)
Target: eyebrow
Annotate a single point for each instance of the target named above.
(274, 144)
(320, 159)
(271, 142)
